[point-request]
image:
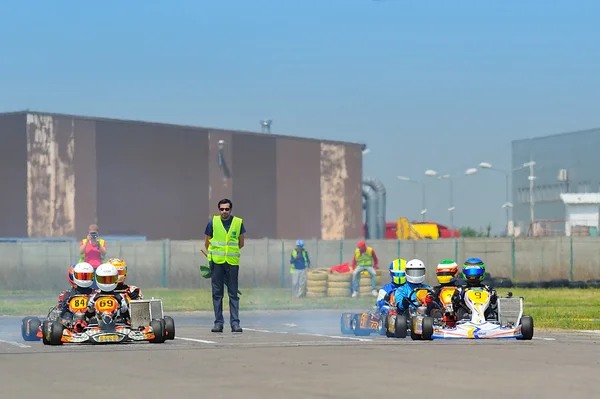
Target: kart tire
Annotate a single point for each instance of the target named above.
(159, 333)
(52, 330)
(355, 324)
(413, 335)
(390, 322)
(427, 329)
(169, 327)
(526, 328)
(400, 326)
(345, 324)
(29, 328)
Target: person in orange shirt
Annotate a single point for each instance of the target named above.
(364, 259)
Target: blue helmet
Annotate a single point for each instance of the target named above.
(398, 271)
(473, 270)
(300, 243)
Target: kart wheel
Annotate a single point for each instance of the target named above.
(427, 328)
(54, 331)
(361, 332)
(159, 333)
(526, 328)
(345, 325)
(413, 335)
(400, 326)
(169, 327)
(29, 328)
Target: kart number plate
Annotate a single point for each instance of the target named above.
(107, 305)
(108, 338)
(446, 295)
(478, 297)
(78, 304)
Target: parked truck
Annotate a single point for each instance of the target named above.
(405, 230)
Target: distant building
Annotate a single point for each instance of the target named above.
(582, 214)
(59, 173)
(564, 163)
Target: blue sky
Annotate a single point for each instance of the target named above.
(437, 85)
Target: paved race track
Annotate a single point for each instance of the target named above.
(288, 355)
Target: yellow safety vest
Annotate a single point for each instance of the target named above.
(224, 245)
(84, 241)
(365, 259)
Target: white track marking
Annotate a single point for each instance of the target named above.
(312, 335)
(545, 338)
(589, 331)
(15, 344)
(203, 341)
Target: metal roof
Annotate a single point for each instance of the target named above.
(581, 198)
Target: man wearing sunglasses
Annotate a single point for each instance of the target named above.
(223, 241)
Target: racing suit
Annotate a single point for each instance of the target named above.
(65, 315)
(403, 295)
(384, 296)
(130, 290)
(60, 298)
(123, 306)
(458, 299)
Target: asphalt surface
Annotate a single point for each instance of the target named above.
(299, 355)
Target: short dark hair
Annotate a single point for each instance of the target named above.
(225, 201)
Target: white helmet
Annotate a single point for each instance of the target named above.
(415, 271)
(107, 277)
(83, 275)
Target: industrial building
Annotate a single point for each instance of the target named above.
(59, 173)
(564, 163)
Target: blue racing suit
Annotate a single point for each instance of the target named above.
(404, 292)
(384, 292)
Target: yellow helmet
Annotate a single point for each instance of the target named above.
(121, 268)
(398, 271)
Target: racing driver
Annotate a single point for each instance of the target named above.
(131, 291)
(398, 277)
(83, 278)
(107, 278)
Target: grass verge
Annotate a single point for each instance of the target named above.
(562, 308)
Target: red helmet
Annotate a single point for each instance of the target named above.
(70, 277)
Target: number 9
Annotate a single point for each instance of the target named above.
(478, 295)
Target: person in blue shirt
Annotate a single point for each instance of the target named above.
(415, 278)
(398, 277)
(300, 263)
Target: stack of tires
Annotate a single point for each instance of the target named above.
(364, 283)
(339, 285)
(316, 283)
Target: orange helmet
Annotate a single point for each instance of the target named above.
(70, 277)
(121, 266)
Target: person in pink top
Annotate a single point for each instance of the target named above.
(92, 249)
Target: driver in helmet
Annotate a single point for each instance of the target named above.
(107, 278)
(131, 291)
(415, 277)
(71, 282)
(473, 273)
(447, 275)
(83, 278)
(398, 277)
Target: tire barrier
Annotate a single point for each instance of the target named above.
(504, 282)
(364, 283)
(339, 285)
(316, 283)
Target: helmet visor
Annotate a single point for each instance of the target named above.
(83, 276)
(415, 272)
(107, 279)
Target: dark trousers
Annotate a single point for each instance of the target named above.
(225, 274)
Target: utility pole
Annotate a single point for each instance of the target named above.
(531, 178)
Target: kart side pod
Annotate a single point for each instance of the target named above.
(143, 311)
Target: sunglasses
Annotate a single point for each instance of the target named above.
(224, 209)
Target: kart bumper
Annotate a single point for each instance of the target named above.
(476, 331)
(97, 336)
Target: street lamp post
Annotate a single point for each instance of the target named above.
(451, 208)
(408, 179)
(507, 205)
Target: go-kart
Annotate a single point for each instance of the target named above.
(400, 322)
(507, 321)
(146, 323)
(363, 324)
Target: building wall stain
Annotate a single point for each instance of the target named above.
(50, 179)
(333, 179)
